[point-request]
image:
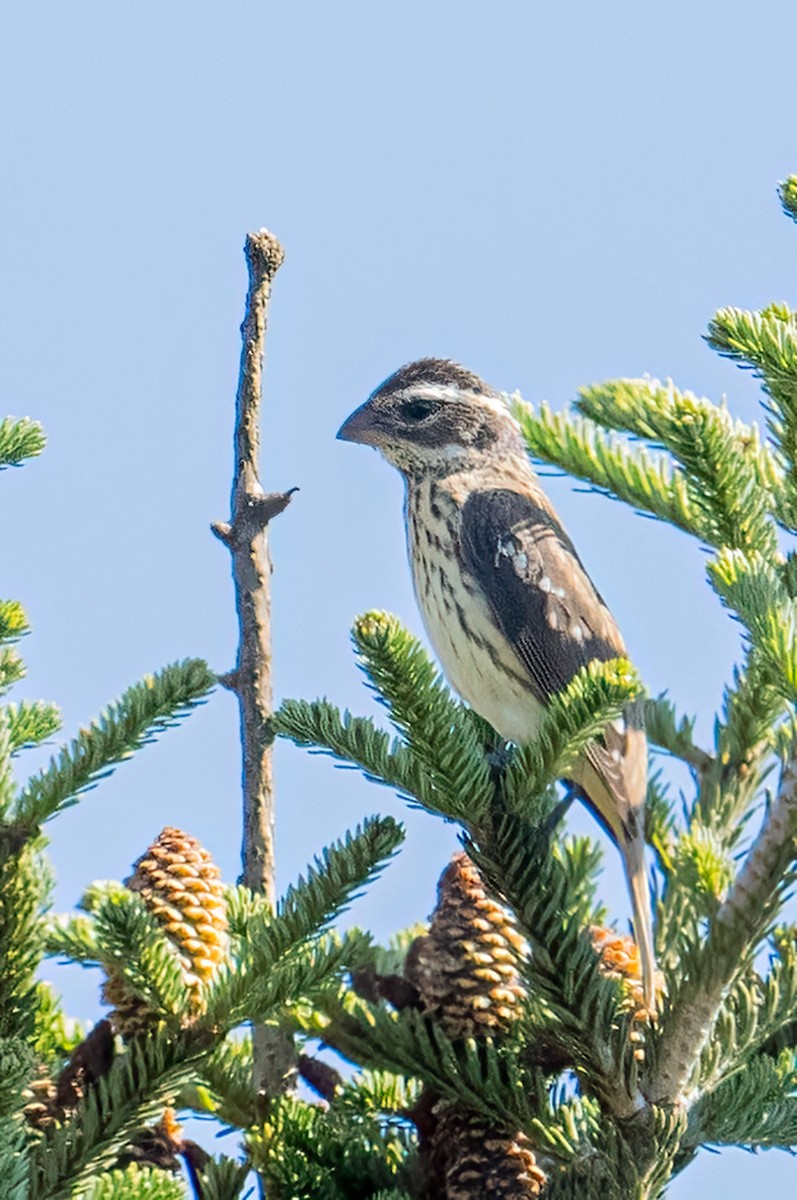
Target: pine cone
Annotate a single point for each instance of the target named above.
(466, 967)
(51, 1102)
(130, 1014)
(39, 1111)
(472, 1160)
(618, 958)
(181, 886)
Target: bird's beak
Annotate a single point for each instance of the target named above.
(360, 426)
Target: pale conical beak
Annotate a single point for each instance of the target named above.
(360, 427)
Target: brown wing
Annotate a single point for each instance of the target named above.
(539, 593)
(556, 621)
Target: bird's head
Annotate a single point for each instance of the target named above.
(434, 416)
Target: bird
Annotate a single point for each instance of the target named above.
(507, 603)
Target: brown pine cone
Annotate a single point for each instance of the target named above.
(473, 1160)
(618, 956)
(130, 1014)
(181, 886)
(39, 1111)
(51, 1102)
(466, 967)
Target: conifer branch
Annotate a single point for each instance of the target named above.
(550, 888)
(752, 587)
(13, 621)
(787, 191)
(227, 1072)
(25, 884)
(13, 625)
(751, 707)
(32, 722)
(446, 762)
(753, 1107)
(739, 924)
(12, 668)
(283, 953)
(721, 483)
(222, 1179)
(340, 1150)
(767, 342)
(277, 960)
(665, 730)
(446, 743)
(356, 740)
(7, 783)
(73, 937)
(246, 536)
(484, 1076)
(132, 938)
(135, 1183)
(135, 719)
(730, 475)
(333, 878)
(135, 1089)
(651, 483)
(20, 438)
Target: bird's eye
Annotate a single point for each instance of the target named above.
(417, 410)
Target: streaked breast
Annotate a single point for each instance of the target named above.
(476, 658)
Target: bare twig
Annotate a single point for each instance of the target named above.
(739, 918)
(245, 536)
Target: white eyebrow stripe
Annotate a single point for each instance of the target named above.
(446, 393)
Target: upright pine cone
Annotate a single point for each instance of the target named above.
(473, 1160)
(466, 967)
(39, 1111)
(619, 959)
(181, 886)
(129, 1014)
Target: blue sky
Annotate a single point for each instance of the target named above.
(551, 194)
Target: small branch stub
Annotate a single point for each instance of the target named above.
(252, 517)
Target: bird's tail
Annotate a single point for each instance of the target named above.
(633, 852)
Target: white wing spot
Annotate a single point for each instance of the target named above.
(560, 592)
(545, 584)
(502, 550)
(617, 756)
(553, 620)
(619, 725)
(577, 632)
(518, 558)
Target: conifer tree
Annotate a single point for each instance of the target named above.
(505, 1050)
(517, 1020)
(186, 961)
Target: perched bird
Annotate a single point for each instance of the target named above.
(508, 606)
